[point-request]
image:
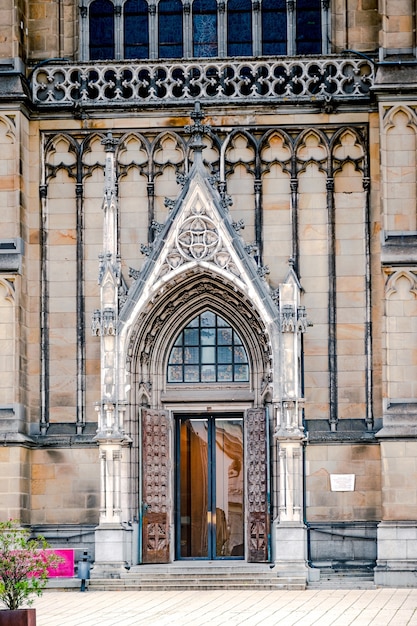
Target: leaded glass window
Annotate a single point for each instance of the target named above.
(139, 29)
(308, 27)
(205, 28)
(101, 30)
(274, 27)
(208, 350)
(136, 29)
(239, 28)
(170, 29)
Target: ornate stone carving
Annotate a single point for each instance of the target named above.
(169, 203)
(240, 225)
(149, 324)
(108, 323)
(146, 249)
(292, 79)
(292, 320)
(156, 226)
(287, 318)
(263, 270)
(103, 322)
(133, 273)
(96, 323)
(198, 238)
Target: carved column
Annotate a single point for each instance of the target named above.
(113, 537)
(290, 546)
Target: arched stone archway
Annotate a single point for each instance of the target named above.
(157, 404)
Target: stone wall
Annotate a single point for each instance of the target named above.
(65, 486)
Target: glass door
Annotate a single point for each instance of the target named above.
(209, 487)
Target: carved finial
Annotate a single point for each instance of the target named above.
(197, 129)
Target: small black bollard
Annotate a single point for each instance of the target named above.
(83, 570)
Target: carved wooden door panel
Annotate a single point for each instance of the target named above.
(156, 503)
(257, 486)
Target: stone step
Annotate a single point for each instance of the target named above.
(352, 584)
(198, 579)
(344, 579)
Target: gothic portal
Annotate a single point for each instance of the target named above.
(201, 365)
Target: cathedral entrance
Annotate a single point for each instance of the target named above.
(209, 487)
(204, 490)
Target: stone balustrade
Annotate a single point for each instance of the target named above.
(283, 80)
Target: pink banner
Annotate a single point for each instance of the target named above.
(64, 569)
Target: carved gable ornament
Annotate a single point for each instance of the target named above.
(198, 234)
(198, 238)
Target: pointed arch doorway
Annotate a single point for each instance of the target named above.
(205, 478)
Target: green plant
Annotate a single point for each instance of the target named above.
(24, 565)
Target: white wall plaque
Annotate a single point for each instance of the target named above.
(342, 482)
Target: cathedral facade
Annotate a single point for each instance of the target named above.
(208, 282)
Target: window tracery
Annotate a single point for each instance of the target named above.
(208, 350)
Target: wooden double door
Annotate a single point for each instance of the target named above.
(210, 485)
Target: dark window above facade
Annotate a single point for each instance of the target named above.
(170, 29)
(101, 30)
(136, 29)
(205, 28)
(140, 29)
(308, 26)
(239, 28)
(274, 27)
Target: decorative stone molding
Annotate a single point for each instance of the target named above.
(395, 275)
(108, 325)
(11, 255)
(268, 80)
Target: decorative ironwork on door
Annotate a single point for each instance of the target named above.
(155, 488)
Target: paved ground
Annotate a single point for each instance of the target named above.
(379, 607)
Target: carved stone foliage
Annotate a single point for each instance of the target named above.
(156, 502)
(256, 463)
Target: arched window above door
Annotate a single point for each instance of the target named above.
(208, 350)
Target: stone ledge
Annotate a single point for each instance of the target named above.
(399, 247)
(348, 430)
